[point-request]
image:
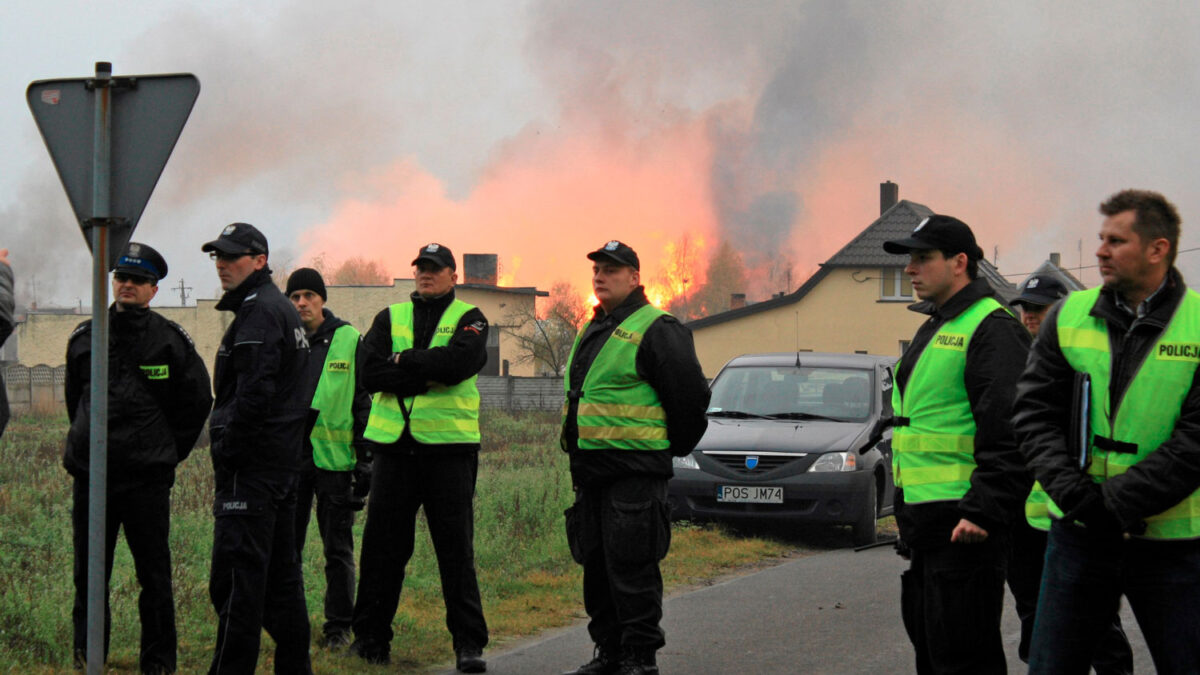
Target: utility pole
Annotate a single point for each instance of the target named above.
(183, 292)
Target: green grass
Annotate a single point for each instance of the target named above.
(528, 580)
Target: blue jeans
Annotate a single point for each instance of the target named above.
(1086, 574)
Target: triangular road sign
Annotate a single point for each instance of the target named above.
(147, 115)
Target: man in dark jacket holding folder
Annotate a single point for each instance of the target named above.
(959, 477)
(1041, 292)
(1125, 510)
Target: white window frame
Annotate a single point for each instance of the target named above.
(892, 279)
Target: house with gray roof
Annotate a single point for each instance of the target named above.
(857, 301)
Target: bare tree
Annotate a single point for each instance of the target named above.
(546, 339)
(358, 271)
(726, 276)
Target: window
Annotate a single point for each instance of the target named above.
(895, 285)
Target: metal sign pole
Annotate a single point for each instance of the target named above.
(98, 449)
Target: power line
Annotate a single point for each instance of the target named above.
(1080, 268)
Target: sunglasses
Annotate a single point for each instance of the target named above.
(123, 278)
(228, 257)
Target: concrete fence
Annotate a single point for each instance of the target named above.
(40, 389)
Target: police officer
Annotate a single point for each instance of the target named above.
(257, 428)
(421, 361)
(959, 476)
(1040, 292)
(1124, 497)
(6, 326)
(158, 399)
(336, 463)
(635, 396)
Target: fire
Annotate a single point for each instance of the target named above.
(552, 196)
(681, 273)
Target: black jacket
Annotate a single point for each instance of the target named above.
(999, 483)
(1042, 420)
(6, 328)
(261, 412)
(158, 396)
(318, 343)
(464, 356)
(666, 359)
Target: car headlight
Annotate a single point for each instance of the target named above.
(685, 462)
(835, 461)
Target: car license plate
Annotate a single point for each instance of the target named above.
(745, 494)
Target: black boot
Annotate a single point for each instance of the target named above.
(604, 662)
(470, 660)
(638, 662)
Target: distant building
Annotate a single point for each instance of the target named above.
(856, 302)
(1053, 266)
(42, 337)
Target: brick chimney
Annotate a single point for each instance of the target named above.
(479, 268)
(889, 196)
(737, 300)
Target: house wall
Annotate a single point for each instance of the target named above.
(43, 337)
(841, 314)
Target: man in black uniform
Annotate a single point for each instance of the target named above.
(636, 395)
(960, 478)
(257, 428)
(158, 399)
(6, 326)
(336, 463)
(421, 359)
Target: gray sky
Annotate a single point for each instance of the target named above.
(539, 130)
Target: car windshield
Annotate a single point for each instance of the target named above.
(789, 392)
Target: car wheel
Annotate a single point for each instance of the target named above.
(864, 529)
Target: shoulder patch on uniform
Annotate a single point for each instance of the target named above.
(85, 327)
(182, 333)
(476, 327)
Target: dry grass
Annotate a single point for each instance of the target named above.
(528, 580)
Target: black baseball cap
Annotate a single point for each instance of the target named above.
(141, 260)
(947, 234)
(617, 252)
(437, 254)
(1041, 290)
(238, 238)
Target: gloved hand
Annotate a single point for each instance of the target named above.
(1094, 515)
(360, 485)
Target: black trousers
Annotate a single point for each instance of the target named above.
(1113, 655)
(619, 532)
(335, 520)
(256, 580)
(445, 486)
(951, 599)
(144, 511)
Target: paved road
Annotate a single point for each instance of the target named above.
(831, 613)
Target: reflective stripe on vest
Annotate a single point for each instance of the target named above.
(618, 410)
(1146, 414)
(440, 416)
(333, 434)
(933, 456)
